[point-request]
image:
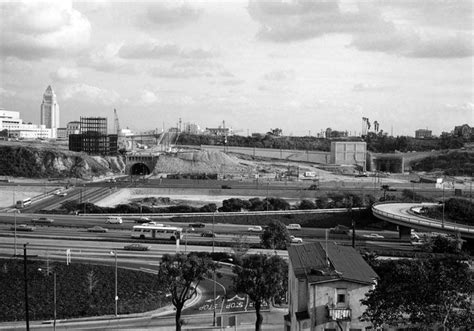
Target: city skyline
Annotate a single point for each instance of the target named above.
(298, 65)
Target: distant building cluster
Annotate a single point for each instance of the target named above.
(331, 134)
(49, 119)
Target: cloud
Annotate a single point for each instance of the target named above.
(107, 60)
(153, 50)
(374, 26)
(91, 94)
(188, 69)
(232, 82)
(179, 72)
(464, 107)
(169, 14)
(279, 75)
(411, 43)
(4, 93)
(14, 65)
(65, 74)
(148, 97)
(32, 30)
(369, 87)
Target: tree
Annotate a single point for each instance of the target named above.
(306, 204)
(262, 278)
(428, 292)
(275, 236)
(180, 275)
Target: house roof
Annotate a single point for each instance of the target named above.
(311, 261)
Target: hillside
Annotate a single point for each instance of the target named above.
(50, 161)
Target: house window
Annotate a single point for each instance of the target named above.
(341, 297)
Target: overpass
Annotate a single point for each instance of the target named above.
(402, 215)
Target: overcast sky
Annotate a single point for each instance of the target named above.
(301, 66)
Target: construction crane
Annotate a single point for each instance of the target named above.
(121, 141)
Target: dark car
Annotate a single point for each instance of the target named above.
(197, 225)
(137, 247)
(208, 234)
(226, 187)
(23, 227)
(97, 229)
(42, 220)
(142, 219)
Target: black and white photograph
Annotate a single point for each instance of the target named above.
(288, 165)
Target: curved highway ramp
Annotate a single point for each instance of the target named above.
(402, 214)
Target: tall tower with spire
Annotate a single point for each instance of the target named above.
(50, 110)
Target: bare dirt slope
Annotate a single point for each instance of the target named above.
(200, 162)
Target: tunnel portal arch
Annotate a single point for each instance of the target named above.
(139, 169)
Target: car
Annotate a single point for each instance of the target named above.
(373, 235)
(295, 240)
(61, 194)
(226, 187)
(197, 225)
(313, 187)
(142, 219)
(208, 234)
(339, 229)
(256, 228)
(23, 227)
(136, 247)
(42, 220)
(113, 220)
(97, 229)
(293, 227)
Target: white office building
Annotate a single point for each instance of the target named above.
(11, 121)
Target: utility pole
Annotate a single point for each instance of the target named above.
(25, 275)
(213, 275)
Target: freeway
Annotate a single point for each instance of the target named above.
(402, 214)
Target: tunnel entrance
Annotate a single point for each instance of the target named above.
(139, 169)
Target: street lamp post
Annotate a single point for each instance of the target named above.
(54, 301)
(213, 275)
(27, 315)
(14, 230)
(114, 253)
(442, 220)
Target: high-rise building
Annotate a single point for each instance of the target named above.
(50, 110)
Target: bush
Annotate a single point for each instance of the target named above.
(82, 290)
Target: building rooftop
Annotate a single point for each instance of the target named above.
(310, 261)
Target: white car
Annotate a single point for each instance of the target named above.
(296, 240)
(256, 228)
(373, 235)
(293, 227)
(113, 220)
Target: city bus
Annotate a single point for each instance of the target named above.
(23, 203)
(158, 231)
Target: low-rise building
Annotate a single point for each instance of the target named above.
(61, 133)
(349, 153)
(423, 134)
(325, 285)
(11, 121)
